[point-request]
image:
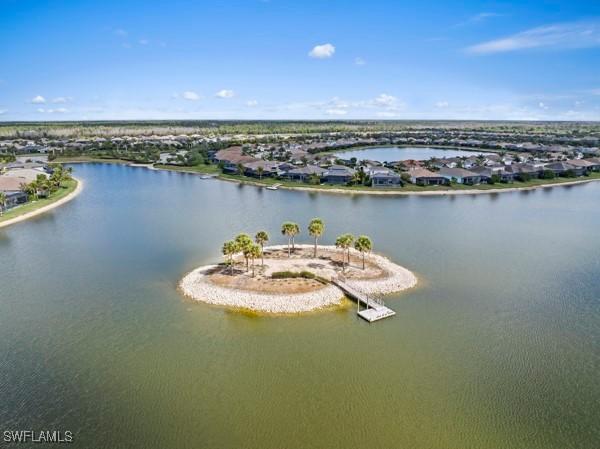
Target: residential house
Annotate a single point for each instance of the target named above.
(339, 174)
(231, 158)
(261, 168)
(424, 177)
(11, 186)
(303, 174)
(460, 175)
(384, 177)
(561, 168)
(585, 166)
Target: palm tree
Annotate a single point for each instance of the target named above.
(364, 245)
(261, 238)
(290, 230)
(344, 242)
(254, 251)
(228, 250)
(316, 228)
(2, 202)
(243, 242)
(240, 169)
(260, 171)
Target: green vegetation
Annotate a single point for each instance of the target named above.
(344, 242)
(62, 191)
(290, 230)
(316, 228)
(292, 275)
(261, 238)
(364, 245)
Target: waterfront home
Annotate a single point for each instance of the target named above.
(595, 161)
(424, 177)
(303, 174)
(261, 168)
(460, 175)
(384, 177)
(562, 168)
(584, 165)
(522, 171)
(485, 173)
(11, 186)
(339, 174)
(231, 158)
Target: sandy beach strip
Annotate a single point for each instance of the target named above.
(46, 208)
(196, 285)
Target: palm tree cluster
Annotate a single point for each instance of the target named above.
(43, 186)
(251, 250)
(363, 243)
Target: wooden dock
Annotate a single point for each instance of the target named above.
(375, 308)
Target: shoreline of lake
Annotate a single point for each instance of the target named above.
(472, 190)
(48, 207)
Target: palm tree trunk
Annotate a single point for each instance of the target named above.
(315, 256)
(363, 260)
(289, 247)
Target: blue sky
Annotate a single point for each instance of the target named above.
(276, 59)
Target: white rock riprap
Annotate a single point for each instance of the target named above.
(198, 285)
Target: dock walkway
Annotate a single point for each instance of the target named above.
(375, 308)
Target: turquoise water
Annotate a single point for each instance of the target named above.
(390, 154)
(499, 347)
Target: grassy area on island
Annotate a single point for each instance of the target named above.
(31, 206)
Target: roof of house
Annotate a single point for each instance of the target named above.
(266, 165)
(582, 163)
(11, 183)
(423, 173)
(29, 174)
(559, 166)
(457, 172)
(340, 170)
(233, 155)
(308, 170)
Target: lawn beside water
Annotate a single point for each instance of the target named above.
(31, 206)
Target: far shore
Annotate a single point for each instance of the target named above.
(47, 207)
(559, 182)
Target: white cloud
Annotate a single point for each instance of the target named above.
(542, 105)
(61, 100)
(478, 18)
(3, 111)
(251, 103)
(336, 112)
(559, 36)
(385, 100)
(441, 104)
(190, 95)
(225, 93)
(38, 99)
(359, 61)
(53, 111)
(323, 51)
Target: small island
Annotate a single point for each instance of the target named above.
(294, 278)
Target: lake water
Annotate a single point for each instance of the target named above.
(390, 154)
(499, 347)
